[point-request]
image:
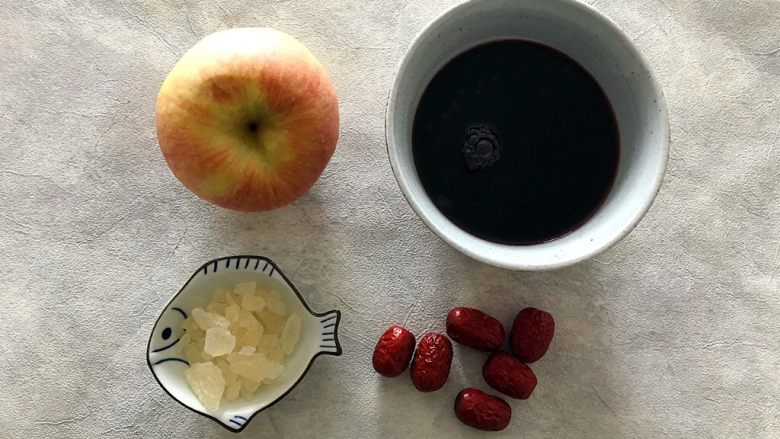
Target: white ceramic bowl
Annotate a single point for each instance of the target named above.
(598, 45)
(319, 335)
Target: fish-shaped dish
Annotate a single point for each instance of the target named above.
(168, 362)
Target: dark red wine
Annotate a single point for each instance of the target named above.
(515, 142)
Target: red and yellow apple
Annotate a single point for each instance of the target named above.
(248, 119)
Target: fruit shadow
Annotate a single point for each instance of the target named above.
(583, 384)
(293, 236)
(403, 411)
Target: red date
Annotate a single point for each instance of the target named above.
(479, 410)
(531, 335)
(509, 376)
(393, 351)
(431, 364)
(474, 328)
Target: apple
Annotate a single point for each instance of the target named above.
(248, 119)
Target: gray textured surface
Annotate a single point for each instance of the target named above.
(672, 333)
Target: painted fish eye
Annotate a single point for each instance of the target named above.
(166, 334)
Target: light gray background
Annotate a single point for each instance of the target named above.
(671, 333)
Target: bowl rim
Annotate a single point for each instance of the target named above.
(337, 353)
(485, 256)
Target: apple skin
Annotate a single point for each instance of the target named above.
(248, 119)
